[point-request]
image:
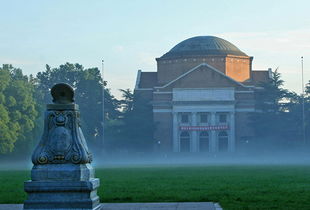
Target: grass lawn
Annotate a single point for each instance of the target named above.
(234, 187)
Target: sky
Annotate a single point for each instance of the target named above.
(130, 34)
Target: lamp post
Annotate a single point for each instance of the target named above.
(303, 101)
(103, 115)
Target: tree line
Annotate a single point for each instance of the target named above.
(128, 121)
(280, 122)
(23, 99)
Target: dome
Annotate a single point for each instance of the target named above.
(203, 45)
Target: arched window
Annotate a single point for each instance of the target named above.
(184, 142)
(223, 141)
(204, 141)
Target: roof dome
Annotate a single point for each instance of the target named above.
(203, 45)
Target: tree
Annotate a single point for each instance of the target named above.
(127, 102)
(273, 120)
(307, 112)
(270, 97)
(136, 129)
(307, 90)
(18, 108)
(88, 85)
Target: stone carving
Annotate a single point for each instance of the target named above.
(62, 177)
(62, 141)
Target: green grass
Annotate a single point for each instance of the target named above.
(234, 187)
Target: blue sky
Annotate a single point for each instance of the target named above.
(129, 35)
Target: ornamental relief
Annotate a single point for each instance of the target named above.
(62, 140)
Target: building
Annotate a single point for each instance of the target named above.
(201, 95)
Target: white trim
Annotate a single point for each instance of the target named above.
(244, 91)
(211, 88)
(209, 109)
(175, 133)
(245, 110)
(221, 88)
(162, 110)
(143, 88)
(203, 94)
(259, 88)
(204, 108)
(138, 79)
(213, 136)
(194, 141)
(195, 68)
(162, 92)
(231, 134)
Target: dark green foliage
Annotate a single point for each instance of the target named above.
(270, 97)
(134, 128)
(234, 187)
(88, 95)
(18, 109)
(278, 117)
(307, 112)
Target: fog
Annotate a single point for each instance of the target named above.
(289, 158)
(266, 152)
(252, 155)
(141, 160)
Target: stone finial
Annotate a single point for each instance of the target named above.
(62, 93)
(62, 140)
(62, 177)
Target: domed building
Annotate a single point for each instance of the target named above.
(201, 95)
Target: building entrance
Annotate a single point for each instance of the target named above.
(223, 141)
(204, 141)
(185, 141)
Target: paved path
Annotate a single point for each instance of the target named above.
(141, 206)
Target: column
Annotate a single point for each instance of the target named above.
(232, 142)
(194, 141)
(213, 139)
(175, 135)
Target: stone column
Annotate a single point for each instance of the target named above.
(232, 142)
(175, 134)
(194, 140)
(213, 140)
(62, 177)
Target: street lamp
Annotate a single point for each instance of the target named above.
(102, 68)
(303, 101)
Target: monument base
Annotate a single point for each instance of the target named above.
(62, 177)
(77, 195)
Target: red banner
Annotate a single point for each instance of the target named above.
(204, 128)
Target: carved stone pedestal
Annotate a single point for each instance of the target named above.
(77, 195)
(62, 177)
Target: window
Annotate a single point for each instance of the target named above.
(204, 141)
(184, 118)
(184, 142)
(203, 118)
(223, 118)
(223, 141)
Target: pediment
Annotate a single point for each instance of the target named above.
(203, 76)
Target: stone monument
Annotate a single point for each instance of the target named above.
(62, 177)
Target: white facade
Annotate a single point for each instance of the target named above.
(210, 94)
(203, 127)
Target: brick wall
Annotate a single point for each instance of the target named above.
(163, 132)
(170, 69)
(238, 68)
